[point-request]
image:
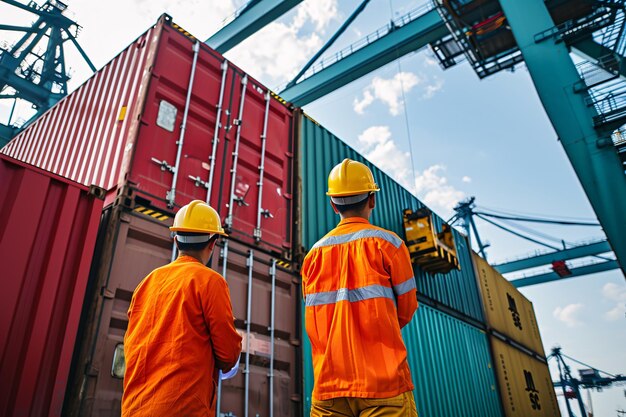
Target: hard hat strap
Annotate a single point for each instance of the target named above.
(193, 239)
(352, 199)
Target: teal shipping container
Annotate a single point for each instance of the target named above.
(451, 367)
(452, 373)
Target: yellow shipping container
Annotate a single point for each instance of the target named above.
(525, 383)
(506, 310)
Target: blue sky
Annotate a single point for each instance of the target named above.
(469, 137)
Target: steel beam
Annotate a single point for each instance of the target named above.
(591, 154)
(253, 18)
(576, 272)
(603, 56)
(6, 134)
(412, 36)
(547, 258)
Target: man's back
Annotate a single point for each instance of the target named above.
(359, 291)
(180, 319)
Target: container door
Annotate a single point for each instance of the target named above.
(168, 108)
(143, 243)
(283, 389)
(207, 129)
(132, 246)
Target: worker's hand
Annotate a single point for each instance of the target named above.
(225, 367)
(223, 374)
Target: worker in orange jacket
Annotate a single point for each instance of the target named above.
(180, 327)
(359, 291)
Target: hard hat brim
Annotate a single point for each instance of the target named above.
(191, 230)
(352, 192)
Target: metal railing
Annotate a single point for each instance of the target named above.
(541, 271)
(372, 37)
(540, 252)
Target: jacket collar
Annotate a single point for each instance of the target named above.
(350, 220)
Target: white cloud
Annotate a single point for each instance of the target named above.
(466, 179)
(389, 91)
(277, 52)
(319, 12)
(568, 314)
(430, 61)
(378, 146)
(616, 313)
(360, 105)
(433, 187)
(432, 88)
(430, 185)
(616, 293)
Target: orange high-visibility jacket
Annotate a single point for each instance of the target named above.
(180, 321)
(359, 291)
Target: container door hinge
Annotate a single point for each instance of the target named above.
(97, 192)
(91, 370)
(199, 182)
(241, 201)
(107, 293)
(164, 165)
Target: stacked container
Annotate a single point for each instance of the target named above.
(519, 358)
(165, 122)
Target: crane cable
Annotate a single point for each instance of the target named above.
(552, 356)
(516, 233)
(531, 239)
(538, 220)
(405, 108)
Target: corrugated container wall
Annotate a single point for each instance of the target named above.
(48, 228)
(507, 311)
(451, 367)
(171, 119)
(320, 150)
(525, 383)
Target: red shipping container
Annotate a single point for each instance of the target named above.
(174, 121)
(48, 228)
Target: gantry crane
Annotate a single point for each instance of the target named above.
(556, 257)
(590, 378)
(585, 102)
(33, 68)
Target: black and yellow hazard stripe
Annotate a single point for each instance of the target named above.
(283, 264)
(183, 31)
(152, 213)
(279, 98)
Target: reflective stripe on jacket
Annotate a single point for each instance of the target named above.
(359, 292)
(180, 321)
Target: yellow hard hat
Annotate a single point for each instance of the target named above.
(198, 217)
(350, 178)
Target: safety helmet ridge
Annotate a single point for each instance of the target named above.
(350, 178)
(198, 217)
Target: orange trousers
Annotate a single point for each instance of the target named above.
(402, 405)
